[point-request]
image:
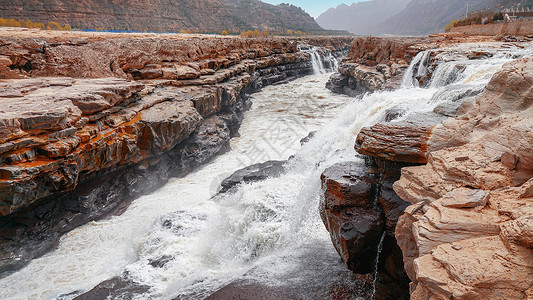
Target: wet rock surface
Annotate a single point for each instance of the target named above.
(114, 288)
(351, 215)
(256, 172)
(126, 116)
(360, 211)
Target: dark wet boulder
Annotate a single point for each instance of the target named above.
(351, 215)
(256, 172)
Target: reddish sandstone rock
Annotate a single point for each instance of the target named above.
(52, 130)
(404, 141)
(148, 57)
(374, 63)
(467, 234)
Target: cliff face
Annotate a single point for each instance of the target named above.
(264, 16)
(449, 190)
(93, 123)
(203, 15)
(210, 15)
(468, 233)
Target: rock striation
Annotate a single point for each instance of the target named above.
(467, 233)
(360, 211)
(91, 124)
(452, 186)
(163, 16)
(375, 63)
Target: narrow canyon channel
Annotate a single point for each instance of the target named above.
(187, 241)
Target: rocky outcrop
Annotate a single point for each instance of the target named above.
(168, 58)
(374, 63)
(360, 211)
(252, 173)
(404, 141)
(350, 215)
(448, 200)
(124, 117)
(467, 233)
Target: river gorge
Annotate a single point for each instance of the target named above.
(223, 168)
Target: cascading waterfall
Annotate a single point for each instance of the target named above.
(182, 241)
(322, 60)
(316, 60)
(408, 79)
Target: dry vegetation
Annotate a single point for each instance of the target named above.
(29, 24)
(480, 17)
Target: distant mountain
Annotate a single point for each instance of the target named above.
(262, 16)
(404, 17)
(421, 17)
(509, 3)
(362, 17)
(163, 15)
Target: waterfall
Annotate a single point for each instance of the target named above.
(322, 60)
(316, 60)
(417, 69)
(409, 74)
(181, 242)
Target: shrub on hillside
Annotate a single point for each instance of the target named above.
(29, 24)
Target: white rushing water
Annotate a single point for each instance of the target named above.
(321, 63)
(267, 232)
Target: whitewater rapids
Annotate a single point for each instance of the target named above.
(268, 232)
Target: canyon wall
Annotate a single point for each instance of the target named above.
(379, 63)
(374, 63)
(88, 124)
(468, 232)
(443, 197)
(200, 15)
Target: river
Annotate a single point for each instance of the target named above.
(185, 241)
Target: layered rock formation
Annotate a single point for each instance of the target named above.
(124, 116)
(459, 213)
(375, 63)
(468, 231)
(379, 63)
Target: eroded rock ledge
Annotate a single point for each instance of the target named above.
(372, 62)
(467, 234)
(459, 215)
(379, 63)
(88, 124)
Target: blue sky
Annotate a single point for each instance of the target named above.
(313, 7)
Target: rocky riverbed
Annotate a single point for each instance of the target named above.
(425, 185)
